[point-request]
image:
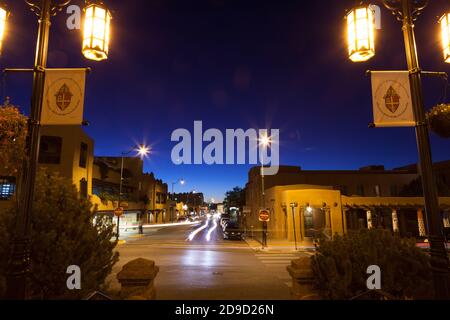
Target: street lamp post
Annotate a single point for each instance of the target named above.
(407, 11)
(142, 152)
(265, 142)
(293, 206)
(181, 181)
(19, 263)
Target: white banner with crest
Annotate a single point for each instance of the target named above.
(392, 103)
(63, 97)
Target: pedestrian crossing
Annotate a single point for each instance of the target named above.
(277, 262)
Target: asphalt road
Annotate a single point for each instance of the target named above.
(197, 264)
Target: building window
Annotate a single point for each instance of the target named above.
(84, 188)
(360, 190)
(50, 150)
(83, 155)
(7, 188)
(394, 191)
(158, 198)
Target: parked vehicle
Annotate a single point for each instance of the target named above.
(233, 231)
(224, 221)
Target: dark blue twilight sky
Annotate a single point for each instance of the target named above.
(234, 64)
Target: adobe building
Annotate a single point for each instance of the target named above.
(69, 151)
(64, 149)
(143, 196)
(325, 203)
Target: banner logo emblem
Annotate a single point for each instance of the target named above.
(392, 100)
(63, 97)
(66, 98)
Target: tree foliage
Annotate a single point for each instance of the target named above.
(64, 233)
(13, 132)
(340, 266)
(235, 198)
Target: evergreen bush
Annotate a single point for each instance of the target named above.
(340, 266)
(63, 233)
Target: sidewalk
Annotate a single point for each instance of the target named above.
(279, 245)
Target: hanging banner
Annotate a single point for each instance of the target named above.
(63, 97)
(392, 103)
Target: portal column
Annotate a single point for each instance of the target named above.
(369, 220)
(421, 223)
(395, 221)
(446, 220)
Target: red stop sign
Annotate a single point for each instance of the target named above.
(264, 216)
(118, 212)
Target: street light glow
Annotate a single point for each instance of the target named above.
(97, 22)
(265, 140)
(3, 17)
(361, 34)
(445, 31)
(143, 151)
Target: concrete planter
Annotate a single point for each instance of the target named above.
(137, 280)
(302, 279)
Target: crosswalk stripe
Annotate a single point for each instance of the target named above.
(275, 258)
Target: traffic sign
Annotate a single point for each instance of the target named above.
(264, 215)
(118, 212)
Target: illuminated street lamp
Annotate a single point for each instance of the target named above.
(360, 25)
(19, 263)
(180, 181)
(265, 141)
(97, 30)
(143, 152)
(361, 34)
(3, 17)
(445, 34)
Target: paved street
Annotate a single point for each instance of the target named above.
(196, 263)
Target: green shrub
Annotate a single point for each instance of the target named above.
(64, 233)
(340, 266)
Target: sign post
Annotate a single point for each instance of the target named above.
(264, 217)
(118, 212)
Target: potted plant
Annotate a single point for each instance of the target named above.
(439, 120)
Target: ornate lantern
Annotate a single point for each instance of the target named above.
(3, 16)
(361, 34)
(96, 33)
(445, 31)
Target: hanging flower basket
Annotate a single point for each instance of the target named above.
(439, 120)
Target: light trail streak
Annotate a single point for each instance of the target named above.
(196, 231)
(208, 235)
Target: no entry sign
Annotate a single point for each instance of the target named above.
(264, 215)
(118, 212)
